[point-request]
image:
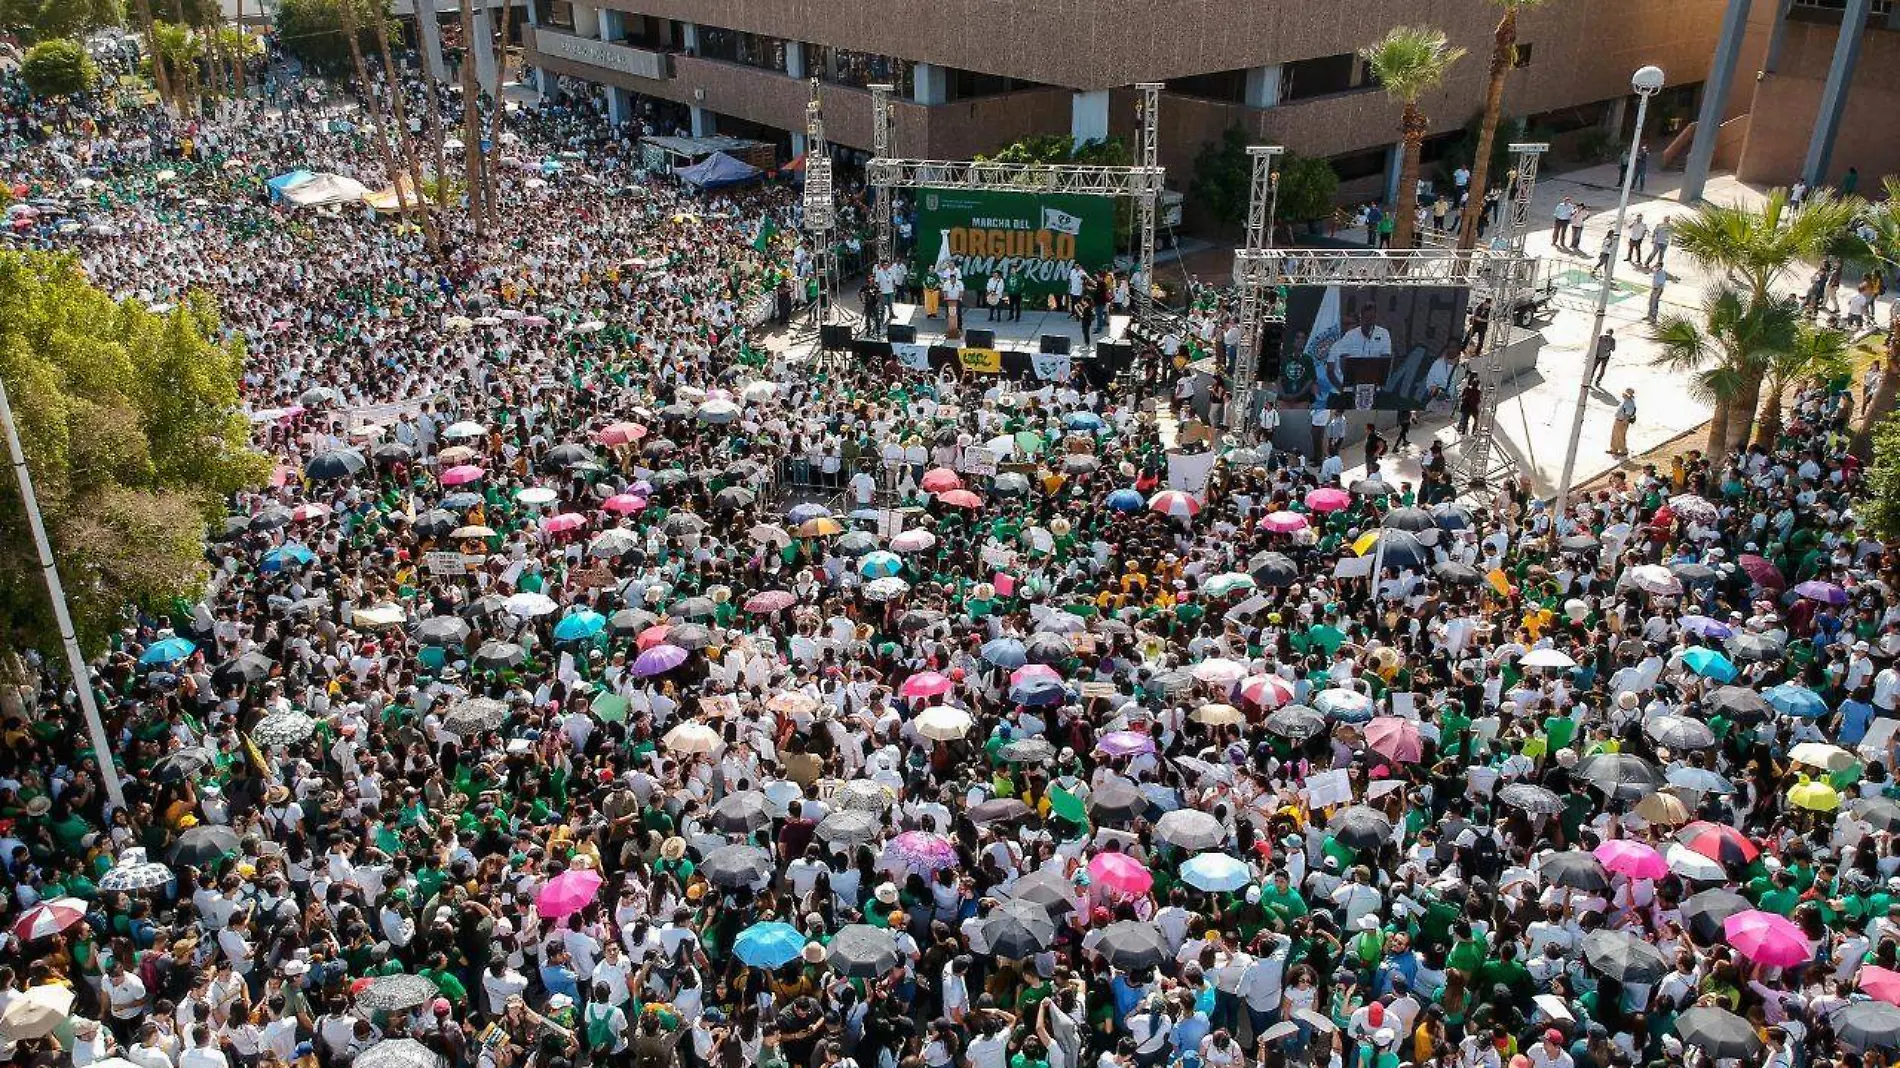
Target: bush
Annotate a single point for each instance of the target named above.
(58, 68)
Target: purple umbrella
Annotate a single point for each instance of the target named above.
(659, 660)
(642, 488)
(1825, 592)
(921, 852)
(1704, 627)
(1125, 743)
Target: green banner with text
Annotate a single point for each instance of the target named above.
(1041, 234)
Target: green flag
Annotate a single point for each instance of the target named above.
(763, 238)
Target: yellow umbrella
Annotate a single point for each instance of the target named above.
(822, 526)
(1217, 715)
(1366, 542)
(1664, 808)
(1813, 795)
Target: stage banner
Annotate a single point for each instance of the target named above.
(1050, 367)
(915, 357)
(988, 361)
(1042, 234)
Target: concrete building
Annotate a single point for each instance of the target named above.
(1828, 84)
(975, 74)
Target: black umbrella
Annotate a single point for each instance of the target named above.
(1692, 573)
(1623, 956)
(1706, 912)
(692, 608)
(1718, 1032)
(1400, 549)
(436, 522)
(1621, 775)
(735, 498)
(1132, 945)
(1359, 827)
(393, 452)
(1739, 702)
(485, 607)
(337, 463)
(861, 951)
(1882, 813)
(1680, 732)
(204, 845)
(1452, 517)
(1010, 484)
(233, 528)
(1576, 870)
(1273, 570)
(1455, 573)
(1753, 648)
(1019, 928)
(181, 764)
(499, 656)
(1867, 1025)
(442, 630)
(271, 519)
(737, 866)
(1297, 722)
(1117, 801)
(247, 669)
(395, 993)
(1047, 648)
(631, 621)
(680, 524)
(740, 813)
(1535, 800)
(688, 636)
(1045, 887)
(1579, 543)
(562, 457)
(1371, 487)
(855, 543)
(1412, 519)
(1077, 463)
(999, 810)
(672, 476)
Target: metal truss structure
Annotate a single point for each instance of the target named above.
(1252, 264)
(820, 212)
(1144, 182)
(881, 205)
(1478, 459)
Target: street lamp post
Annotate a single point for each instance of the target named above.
(1647, 82)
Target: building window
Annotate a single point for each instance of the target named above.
(749, 49)
(1357, 165)
(1881, 8)
(1523, 57)
(970, 85)
(1306, 79)
(859, 69)
(558, 13)
(1226, 86)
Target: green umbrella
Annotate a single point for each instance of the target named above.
(1067, 805)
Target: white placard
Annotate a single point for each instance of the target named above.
(978, 460)
(1350, 567)
(445, 563)
(1327, 788)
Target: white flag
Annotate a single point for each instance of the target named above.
(1061, 221)
(915, 357)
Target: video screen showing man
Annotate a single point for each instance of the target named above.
(1362, 356)
(1357, 348)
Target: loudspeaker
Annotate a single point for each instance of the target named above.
(979, 339)
(940, 355)
(1058, 344)
(1116, 354)
(869, 348)
(834, 337)
(901, 334)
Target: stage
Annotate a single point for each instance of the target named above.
(1023, 336)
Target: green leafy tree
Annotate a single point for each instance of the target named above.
(1051, 149)
(131, 426)
(1223, 177)
(1883, 247)
(1757, 247)
(1817, 352)
(45, 20)
(1309, 188)
(1503, 58)
(58, 68)
(312, 30)
(1881, 509)
(1410, 61)
(1732, 343)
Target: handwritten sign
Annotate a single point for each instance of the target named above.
(1092, 690)
(979, 461)
(719, 704)
(1328, 788)
(445, 563)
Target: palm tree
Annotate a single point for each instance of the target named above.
(1735, 340)
(471, 122)
(493, 193)
(1409, 62)
(1884, 249)
(1817, 352)
(1503, 58)
(1757, 247)
(372, 108)
(406, 143)
(159, 77)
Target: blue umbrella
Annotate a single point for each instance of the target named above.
(1082, 421)
(1709, 664)
(1007, 653)
(580, 626)
(880, 564)
(1038, 691)
(1215, 872)
(768, 945)
(461, 501)
(1792, 700)
(801, 512)
(168, 651)
(284, 555)
(1126, 500)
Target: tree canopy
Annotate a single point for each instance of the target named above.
(132, 430)
(45, 20)
(58, 67)
(312, 30)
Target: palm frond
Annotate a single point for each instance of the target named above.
(1411, 60)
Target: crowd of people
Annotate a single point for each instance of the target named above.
(609, 680)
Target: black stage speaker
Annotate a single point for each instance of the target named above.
(1117, 354)
(1057, 344)
(834, 337)
(869, 348)
(901, 334)
(979, 339)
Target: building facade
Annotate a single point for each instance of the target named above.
(973, 75)
(1799, 122)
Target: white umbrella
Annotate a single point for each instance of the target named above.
(1654, 578)
(1219, 671)
(1547, 658)
(692, 738)
(943, 723)
(529, 605)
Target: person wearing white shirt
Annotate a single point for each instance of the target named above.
(202, 1053)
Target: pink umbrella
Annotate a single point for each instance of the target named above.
(770, 601)
(940, 480)
(926, 684)
(625, 504)
(1634, 859)
(456, 476)
(653, 636)
(567, 893)
(1766, 938)
(1880, 983)
(564, 522)
(1125, 743)
(1284, 522)
(1120, 873)
(1395, 739)
(961, 498)
(620, 434)
(1328, 499)
(1267, 691)
(49, 918)
(919, 851)
(1027, 672)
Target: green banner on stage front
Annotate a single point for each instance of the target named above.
(1042, 234)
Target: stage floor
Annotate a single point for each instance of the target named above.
(1023, 335)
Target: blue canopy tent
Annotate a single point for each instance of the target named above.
(280, 184)
(717, 170)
